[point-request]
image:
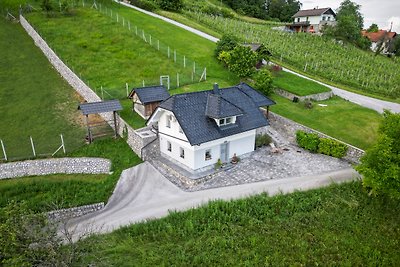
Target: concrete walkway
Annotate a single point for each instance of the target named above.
(365, 101)
(142, 193)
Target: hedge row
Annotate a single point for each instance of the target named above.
(327, 146)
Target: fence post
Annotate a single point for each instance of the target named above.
(143, 83)
(177, 80)
(168, 51)
(158, 45)
(117, 17)
(62, 143)
(102, 94)
(129, 25)
(150, 39)
(194, 67)
(126, 86)
(174, 55)
(33, 147)
(184, 61)
(4, 150)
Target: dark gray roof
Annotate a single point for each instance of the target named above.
(313, 12)
(217, 107)
(190, 111)
(150, 94)
(100, 107)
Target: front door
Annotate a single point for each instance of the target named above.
(224, 152)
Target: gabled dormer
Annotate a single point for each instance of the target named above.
(219, 109)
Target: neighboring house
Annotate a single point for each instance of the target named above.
(196, 129)
(312, 20)
(380, 39)
(146, 99)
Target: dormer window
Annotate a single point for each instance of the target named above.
(226, 121)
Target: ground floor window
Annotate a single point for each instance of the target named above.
(182, 153)
(169, 146)
(207, 155)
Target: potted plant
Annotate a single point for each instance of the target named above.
(235, 159)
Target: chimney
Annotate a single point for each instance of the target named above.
(216, 89)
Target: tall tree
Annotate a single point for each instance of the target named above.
(373, 28)
(349, 21)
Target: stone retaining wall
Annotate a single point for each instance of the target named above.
(288, 128)
(54, 166)
(65, 214)
(134, 140)
(316, 97)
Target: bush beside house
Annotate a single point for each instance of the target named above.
(327, 146)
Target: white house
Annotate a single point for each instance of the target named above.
(312, 20)
(380, 40)
(196, 129)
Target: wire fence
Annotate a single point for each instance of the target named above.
(31, 148)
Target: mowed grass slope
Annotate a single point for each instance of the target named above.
(107, 54)
(34, 100)
(336, 226)
(341, 119)
(44, 193)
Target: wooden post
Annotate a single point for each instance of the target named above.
(115, 124)
(88, 128)
(126, 86)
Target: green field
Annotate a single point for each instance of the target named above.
(336, 226)
(44, 193)
(297, 85)
(34, 100)
(340, 119)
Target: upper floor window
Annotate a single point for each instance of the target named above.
(169, 146)
(323, 18)
(298, 19)
(329, 18)
(225, 121)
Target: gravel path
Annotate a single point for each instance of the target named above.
(365, 101)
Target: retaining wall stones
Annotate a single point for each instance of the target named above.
(53, 166)
(288, 128)
(134, 140)
(65, 214)
(316, 97)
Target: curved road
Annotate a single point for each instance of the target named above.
(142, 193)
(365, 101)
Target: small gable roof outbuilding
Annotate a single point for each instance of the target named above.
(150, 94)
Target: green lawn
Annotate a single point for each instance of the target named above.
(297, 85)
(34, 100)
(44, 193)
(341, 119)
(336, 226)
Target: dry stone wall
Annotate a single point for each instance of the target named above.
(288, 128)
(134, 140)
(54, 166)
(66, 214)
(316, 97)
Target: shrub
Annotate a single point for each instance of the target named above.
(145, 4)
(263, 140)
(242, 61)
(309, 141)
(226, 43)
(263, 81)
(171, 5)
(332, 148)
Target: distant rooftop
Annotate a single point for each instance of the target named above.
(313, 12)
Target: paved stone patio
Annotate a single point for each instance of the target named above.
(260, 165)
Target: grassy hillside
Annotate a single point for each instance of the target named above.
(118, 66)
(339, 225)
(44, 193)
(34, 100)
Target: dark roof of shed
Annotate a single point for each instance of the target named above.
(190, 110)
(313, 12)
(100, 107)
(150, 94)
(253, 47)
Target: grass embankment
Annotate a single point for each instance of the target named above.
(341, 119)
(338, 225)
(34, 100)
(297, 85)
(61, 191)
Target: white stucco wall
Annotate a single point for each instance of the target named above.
(315, 20)
(195, 155)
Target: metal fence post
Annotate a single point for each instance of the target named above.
(33, 147)
(4, 150)
(62, 143)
